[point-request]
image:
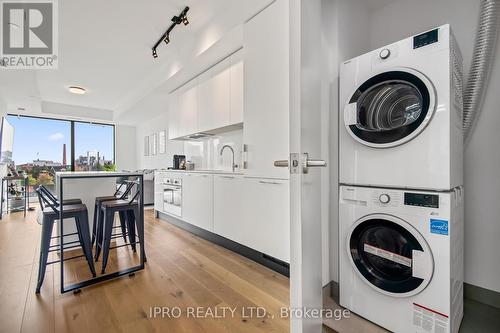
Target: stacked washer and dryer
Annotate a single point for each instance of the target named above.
(401, 198)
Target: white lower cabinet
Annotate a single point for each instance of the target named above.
(254, 212)
(158, 188)
(197, 200)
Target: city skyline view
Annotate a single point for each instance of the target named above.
(43, 139)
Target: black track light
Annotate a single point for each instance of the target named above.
(176, 20)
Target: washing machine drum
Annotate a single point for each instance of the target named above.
(390, 255)
(390, 108)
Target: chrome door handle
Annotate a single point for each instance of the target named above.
(268, 183)
(281, 164)
(298, 162)
(315, 164)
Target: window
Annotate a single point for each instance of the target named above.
(94, 147)
(45, 146)
(41, 148)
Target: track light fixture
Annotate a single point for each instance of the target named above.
(181, 18)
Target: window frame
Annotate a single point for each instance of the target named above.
(72, 131)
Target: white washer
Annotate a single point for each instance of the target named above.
(401, 257)
(400, 121)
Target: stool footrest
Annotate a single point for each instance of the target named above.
(57, 245)
(70, 258)
(65, 235)
(66, 248)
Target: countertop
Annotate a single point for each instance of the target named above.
(217, 172)
(71, 174)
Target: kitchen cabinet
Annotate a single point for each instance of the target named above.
(229, 205)
(254, 212)
(187, 112)
(173, 116)
(237, 89)
(212, 101)
(266, 91)
(214, 98)
(158, 190)
(197, 200)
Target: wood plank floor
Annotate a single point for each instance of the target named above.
(182, 271)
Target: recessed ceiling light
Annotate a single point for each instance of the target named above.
(77, 90)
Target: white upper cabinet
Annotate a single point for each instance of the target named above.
(266, 91)
(211, 101)
(236, 115)
(214, 98)
(187, 118)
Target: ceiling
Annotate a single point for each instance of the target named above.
(105, 47)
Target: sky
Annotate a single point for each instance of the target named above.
(44, 138)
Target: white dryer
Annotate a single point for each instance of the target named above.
(400, 119)
(401, 257)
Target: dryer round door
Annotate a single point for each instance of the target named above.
(390, 108)
(390, 255)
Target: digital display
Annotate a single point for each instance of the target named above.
(422, 200)
(426, 38)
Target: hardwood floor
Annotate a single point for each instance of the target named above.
(183, 272)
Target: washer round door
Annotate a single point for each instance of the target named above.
(390, 108)
(390, 255)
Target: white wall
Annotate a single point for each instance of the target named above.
(375, 27)
(205, 154)
(125, 147)
(159, 161)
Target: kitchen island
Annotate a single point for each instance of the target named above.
(87, 186)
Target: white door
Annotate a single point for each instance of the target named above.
(305, 179)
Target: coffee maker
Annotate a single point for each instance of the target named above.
(179, 162)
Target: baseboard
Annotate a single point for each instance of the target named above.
(259, 257)
(482, 295)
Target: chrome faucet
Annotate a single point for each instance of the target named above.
(232, 151)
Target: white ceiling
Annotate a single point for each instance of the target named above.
(105, 46)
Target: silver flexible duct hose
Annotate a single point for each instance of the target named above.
(484, 49)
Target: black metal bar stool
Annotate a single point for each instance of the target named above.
(97, 225)
(107, 215)
(54, 199)
(50, 209)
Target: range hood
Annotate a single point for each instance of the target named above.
(198, 136)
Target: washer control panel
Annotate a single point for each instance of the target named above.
(384, 198)
(421, 199)
(385, 53)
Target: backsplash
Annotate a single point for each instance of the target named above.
(205, 153)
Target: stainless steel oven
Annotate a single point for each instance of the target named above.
(172, 196)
